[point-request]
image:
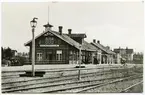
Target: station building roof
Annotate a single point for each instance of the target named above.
(103, 48)
(85, 45)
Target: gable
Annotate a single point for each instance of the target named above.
(62, 37)
(48, 39)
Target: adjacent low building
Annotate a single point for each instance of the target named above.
(104, 54)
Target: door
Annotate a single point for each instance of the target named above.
(49, 55)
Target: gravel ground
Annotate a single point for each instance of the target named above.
(42, 80)
(136, 89)
(114, 88)
(45, 80)
(64, 86)
(50, 74)
(62, 73)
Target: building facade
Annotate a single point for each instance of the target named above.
(56, 47)
(104, 55)
(53, 47)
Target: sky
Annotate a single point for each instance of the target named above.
(115, 24)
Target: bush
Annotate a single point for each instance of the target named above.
(18, 61)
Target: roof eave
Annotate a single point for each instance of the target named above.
(90, 49)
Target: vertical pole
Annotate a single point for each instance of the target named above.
(33, 53)
(100, 57)
(72, 56)
(107, 59)
(92, 58)
(79, 73)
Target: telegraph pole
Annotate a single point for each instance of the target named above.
(80, 61)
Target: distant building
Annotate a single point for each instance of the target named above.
(125, 53)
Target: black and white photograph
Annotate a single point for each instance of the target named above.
(72, 47)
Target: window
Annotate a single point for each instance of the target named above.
(70, 52)
(39, 56)
(59, 55)
(74, 55)
(49, 40)
(70, 55)
(41, 41)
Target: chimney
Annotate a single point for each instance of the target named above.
(98, 42)
(126, 48)
(60, 30)
(94, 40)
(69, 31)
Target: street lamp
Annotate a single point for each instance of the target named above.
(33, 24)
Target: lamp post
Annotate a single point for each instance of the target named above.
(33, 24)
(80, 61)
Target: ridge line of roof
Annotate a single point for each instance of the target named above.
(53, 32)
(103, 48)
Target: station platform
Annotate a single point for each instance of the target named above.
(53, 67)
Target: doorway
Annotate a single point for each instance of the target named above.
(49, 55)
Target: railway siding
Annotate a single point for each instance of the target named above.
(65, 81)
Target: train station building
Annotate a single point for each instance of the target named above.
(57, 47)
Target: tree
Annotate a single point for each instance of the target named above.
(2, 53)
(8, 53)
(138, 58)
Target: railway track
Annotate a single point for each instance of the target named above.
(82, 88)
(64, 86)
(61, 71)
(130, 87)
(26, 87)
(63, 77)
(45, 80)
(107, 83)
(58, 84)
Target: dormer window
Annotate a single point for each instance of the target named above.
(49, 40)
